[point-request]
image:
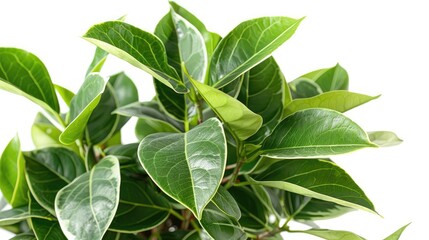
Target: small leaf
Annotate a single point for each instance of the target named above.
(314, 178)
(226, 203)
(141, 49)
(81, 107)
(45, 229)
(147, 126)
(314, 133)
(86, 207)
(97, 63)
(384, 138)
(332, 234)
(49, 170)
(22, 213)
(304, 88)
(12, 174)
(188, 167)
(66, 94)
(24, 236)
(396, 235)
(335, 78)
(338, 100)
(23, 73)
(242, 122)
(247, 45)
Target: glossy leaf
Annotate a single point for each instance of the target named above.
(338, 100)
(18, 214)
(12, 174)
(304, 88)
(384, 138)
(97, 63)
(66, 94)
(263, 93)
(219, 225)
(86, 207)
(81, 107)
(45, 229)
(314, 133)
(147, 126)
(140, 207)
(335, 78)
(247, 45)
(23, 73)
(141, 49)
(226, 203)
(172, 103)
(242, 122)
(315, 178)
(332, 234)
(49, 170)
(397, 234)
(188, 167)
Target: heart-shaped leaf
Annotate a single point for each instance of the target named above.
(314, 133)
(247, 45)
(188, 167)
(242, 122)
(49, 170)
(86, 207)
(45, 229)
(315, 178)
(12, 174)
(141, 49)
(81, 107)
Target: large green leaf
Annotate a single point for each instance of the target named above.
(188, 167)
(242, 122)
(397, 234)
(263, 94)
(23, 73)
(139, 48)
(12, 174)
(338, 100)
(315, 178)
(219, 225)
(226, 203)
(332, 234)
(86, 207)
(140, 207)
(147, 126)
(247, 45)
(45, 229)
(384, 138)
(81, 107)
(314, 133)
(49, 170)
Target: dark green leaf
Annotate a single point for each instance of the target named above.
(315, 178)
(49, 170)
(141, 49)
(384, 138)
(66, 94)
(140, 207)
(314, 133)
(233, 88)
(172, 103)
(332, 234)
(226, 203)
(23, 73)
(247, 45)
(304, 88)
(188, 167)
(242, 122)
(97, 63)
(45, 229)
(121, 236)
(197, 235)
(396, 235)
(147, 126)
(177, 234)
(15, 215)
(12, 174)
(81, 107)
(86, 207)
(24, 236)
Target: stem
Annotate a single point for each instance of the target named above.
(290, 217)
(241, 159)
(186, 219)
(177, 215)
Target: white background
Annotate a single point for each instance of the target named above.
(382, 44)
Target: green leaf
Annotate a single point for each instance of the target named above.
(140, 207)
(384, 138)
(219, 225)
(197, 235)
(86, 207)
(66, 94)
(315, 178)
(49, 170)
(338, 100)
(396, 235)
(97, 63)
(335, 78)
(172, 103)
(121, 236)
(81, 107)
(188, 167)
(141, 49)
(12, 174)
(23, 73)
(242, 122)
(226, 203)
(314, 133)
(304, 88)
(247, 45)
(332, 234)
(147, 126)
(24, 236)
(263, 94)
(45, 229)
(18, 214)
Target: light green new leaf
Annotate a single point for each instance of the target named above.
(187, 166)
(12, 174)
(45, 229)
(141, 49)
(329, 79)
(314, 133)
(147, 126)
(140, 207)
(304, 88)
(49, 170)
(24, 74)
(242, 122)
(86, 207)
(81, 107)
(65, 94)
(332, 234)
(384, 138)
(247, 45)
(396, 235)
(226, 203)
(338, 100)
(315, 178)
(97, 63)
